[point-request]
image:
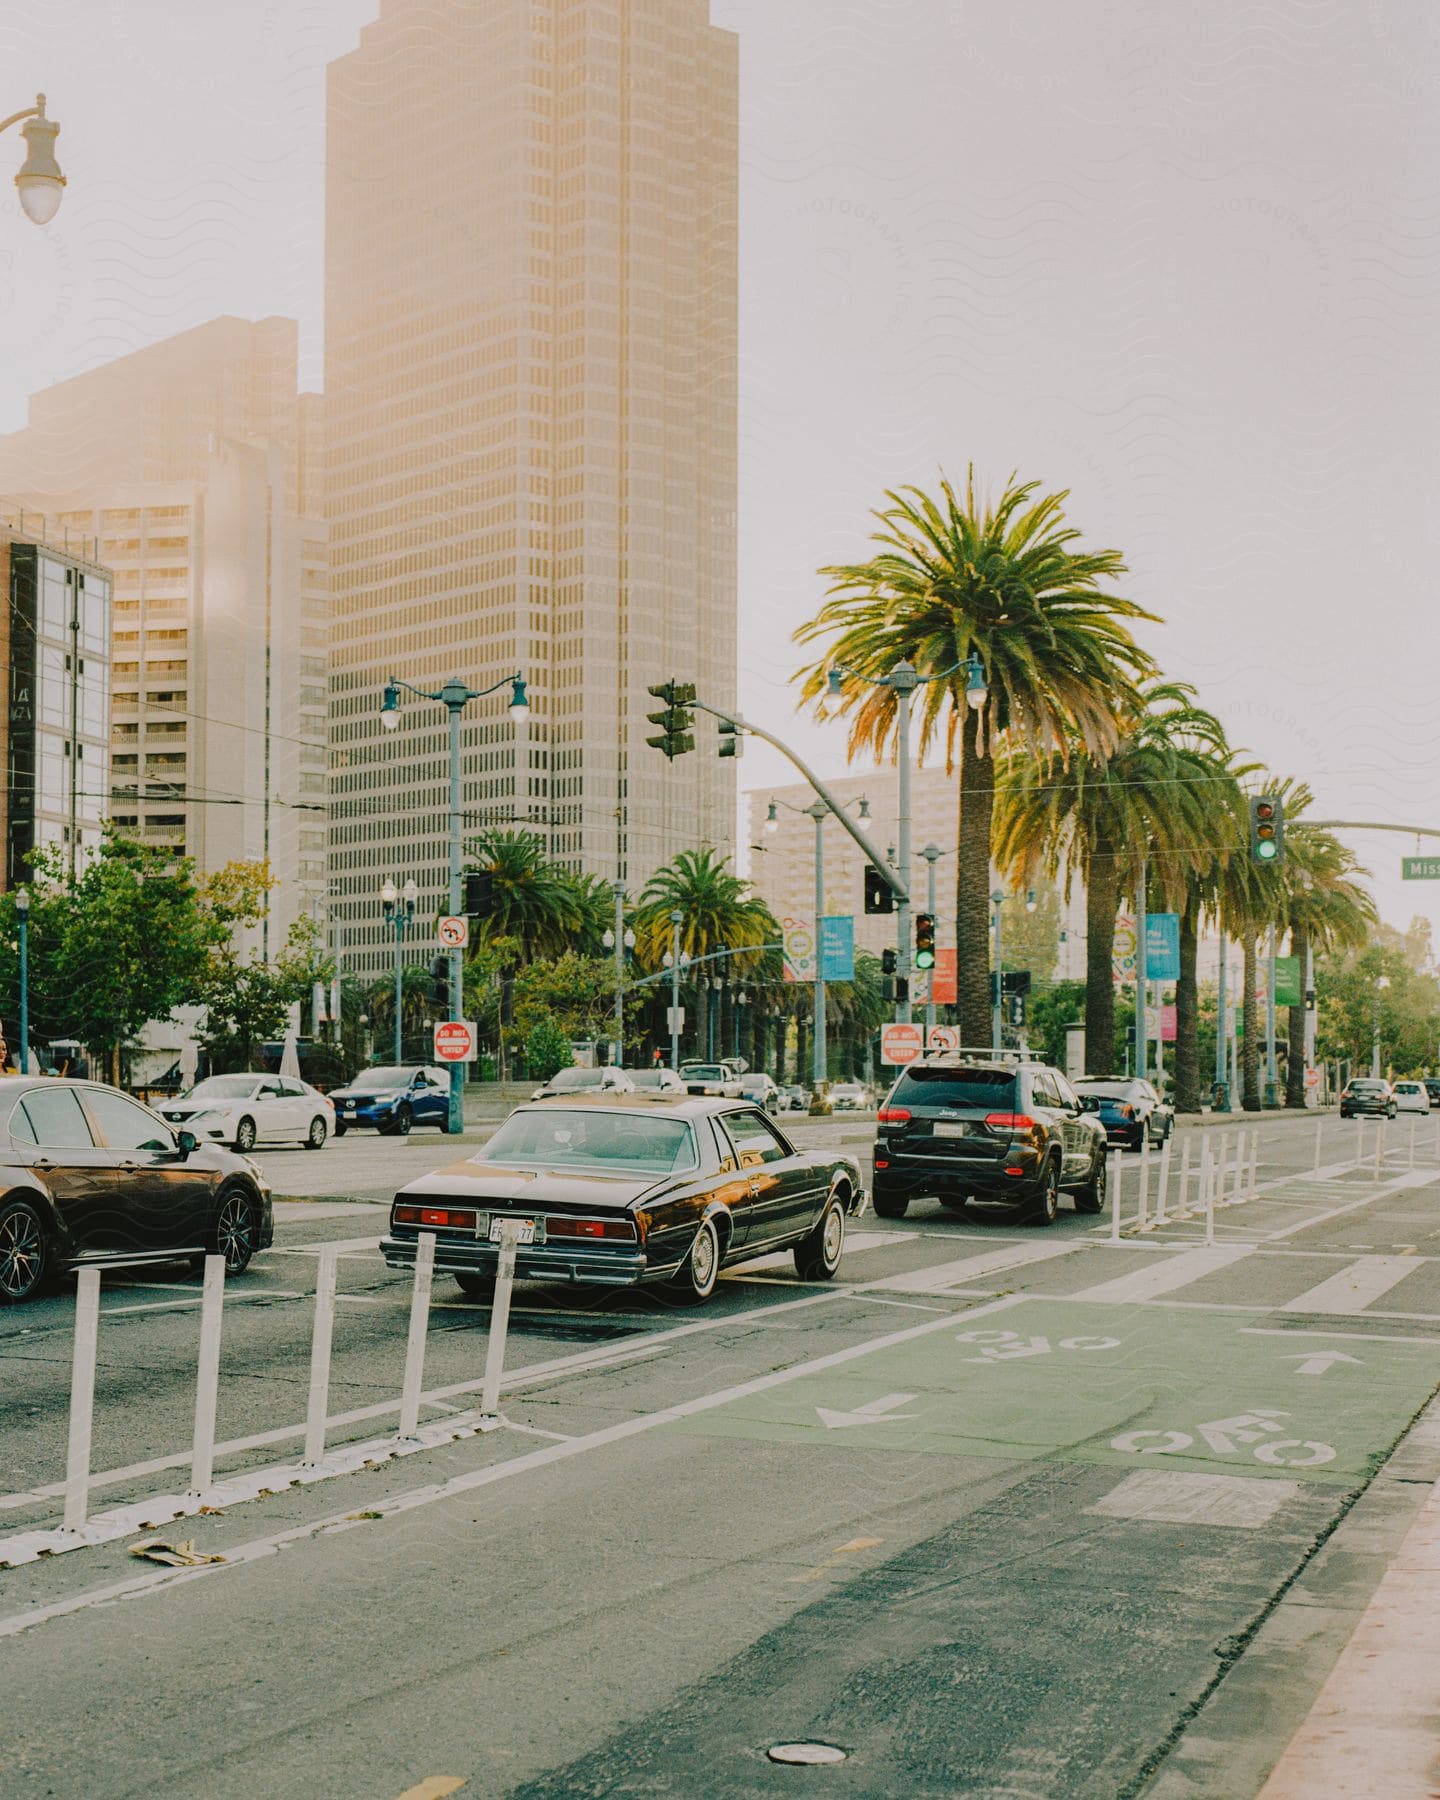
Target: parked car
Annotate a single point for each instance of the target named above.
(1129, 1109)
(715, 1079)
(1410, 1096)
(656, 1081)
(392, 1098)
(1011, 1131)
(615, 1191)
(245, 1110)
(794, 1099)
(1432, 1088)
(760, 1090)
(1367, 1096)
(851, 1096)
(608, 1080)
(93, 1179)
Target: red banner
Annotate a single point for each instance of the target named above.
(943, 979)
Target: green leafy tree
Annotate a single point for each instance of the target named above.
(1051, 1009)
(1008, 582)
(547, 1050)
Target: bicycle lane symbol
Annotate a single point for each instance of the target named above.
(1008, 1346)
(1232, 1437)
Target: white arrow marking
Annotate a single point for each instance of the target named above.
(1316, 1362)
(873, 1412)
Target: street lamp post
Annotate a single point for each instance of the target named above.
(676, 919)
(1272, 1071)
(1381, 984)
(620, 940)
(742, 999)
(932, 854)
(455, 696)
(998, 997)
(399, 912)
(22, 916)
(40, 183)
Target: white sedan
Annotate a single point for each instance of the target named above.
(244, 1110)
(1410, 1096)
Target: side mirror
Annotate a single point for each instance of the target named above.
(188, 1144)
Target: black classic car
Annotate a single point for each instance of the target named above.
(628, 1189)
(92, 1179)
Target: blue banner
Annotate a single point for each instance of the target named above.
(837, 947)
(1162, 946)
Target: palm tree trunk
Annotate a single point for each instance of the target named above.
(1250, 1054)
(1101, 896)
(1187, 1013)
(972, 885)
(802, 1048)
(1295, 1060)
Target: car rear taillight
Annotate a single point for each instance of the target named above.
(881, 1162)
(435, 1215)
(623, 1229)
(893, 1115)
(999, 1121)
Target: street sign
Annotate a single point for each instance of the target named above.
(900, 1043)
(1312, 1078)
(455, 1041)
(943, 1039)
(674, 1020)
(1420, 868)
(454, 932)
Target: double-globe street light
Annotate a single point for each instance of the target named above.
(399, 908)
(22, 919)
(455, 696)
(621, 940)
(40, 184)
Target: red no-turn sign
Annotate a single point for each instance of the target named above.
(455, 1041)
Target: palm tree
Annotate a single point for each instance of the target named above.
(595, 910)
(1326, 909)
(1107, 819)
(960, 577)
(530, 898)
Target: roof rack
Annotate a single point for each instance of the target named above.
(977, 1053)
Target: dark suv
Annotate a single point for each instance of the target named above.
(1011, 1131)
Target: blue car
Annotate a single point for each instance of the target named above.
(392, 1099)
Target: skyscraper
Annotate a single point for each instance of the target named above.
(530, 426)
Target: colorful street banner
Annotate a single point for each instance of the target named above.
(798, 939)
(945, 979)
(837, 947)
(1287, 981)
(1162, 946)
(1122, 951)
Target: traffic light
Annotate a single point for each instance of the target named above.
(479, 893)
(676, 720)
(879, 895)
(902, 988)
(440, 982)
(1015, 1009)
(1267, 829)
(924, 940)
(731, 741)
(887, 962)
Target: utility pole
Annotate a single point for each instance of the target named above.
(675, 921)
(998, 997)
(820, 1064)
(904, 681)
(1271, 1068)
(1142, 984)
(932, 854)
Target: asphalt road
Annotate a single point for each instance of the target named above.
(1003, 1512)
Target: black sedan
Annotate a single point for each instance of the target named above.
(1130, 1110)
(631, 1189)
(93, 1179)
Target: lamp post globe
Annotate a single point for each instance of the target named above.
(40, 184)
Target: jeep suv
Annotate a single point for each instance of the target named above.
(1009, 1131)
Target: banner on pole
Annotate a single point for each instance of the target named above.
(1122, 951)
(837, 947)
(798, 940)
(944, 979)
(1162, 946)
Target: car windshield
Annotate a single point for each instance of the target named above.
(706, 1071)
(388, 1077)
(600, 1143)
(752, 1084)
(224, 1087)
(1109, 1090)
(573, 1081)
(1367, 1087)
(990, 1089)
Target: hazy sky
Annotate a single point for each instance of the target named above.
(1183, 260)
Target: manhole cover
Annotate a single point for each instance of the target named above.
(805, 1753)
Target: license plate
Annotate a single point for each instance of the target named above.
(524, 1235)
(349, 1106)
(949, 1131)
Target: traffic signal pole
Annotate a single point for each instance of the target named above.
(1142, 983)
(932, 854)
(820, 1066)
(903, 680)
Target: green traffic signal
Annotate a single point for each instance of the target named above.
(924, 941)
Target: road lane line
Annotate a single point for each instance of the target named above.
(1386, 1191)
(116, 1312)
(1351, 1290)
(397, 1505)
(1162, 1278)
(940, 1277)
(1357, 1337)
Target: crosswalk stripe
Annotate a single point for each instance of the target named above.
(1164, 1275)
(941, 1276)
(1352, 1290)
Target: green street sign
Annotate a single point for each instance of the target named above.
(1420, 868)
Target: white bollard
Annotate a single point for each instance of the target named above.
(1161, 1216)
(1210, 1208)
(82, 1397)
(499, 1319)
(1413, 1123)
(320, 1357)
(1319, 1127)
(207, 1376)
(1141, 1223)
(1217, 1177)
(1254, 1165)
(1237, 1191)
(1379, 1145)
(1183, 1210)
(419, 1327)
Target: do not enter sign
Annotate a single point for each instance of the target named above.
(901, 1043)
(455, 1041)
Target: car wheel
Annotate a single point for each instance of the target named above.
(24, 1253)
(1091, 1197)
(245, 1136)
(234, 1234)
(403, 1121)
(888, 1205)
(315, 1137)
(1047, 1204)
(340, 1128)
(817, 1256)
(475, 1286)
(697, 1275)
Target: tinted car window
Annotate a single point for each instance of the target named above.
(293, 1090)
(985, 1089)
(126, 1126)
(1367, 1087)
(1113, 1090)
(753, 1139)
(1044, 1089)
(55, 1119)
